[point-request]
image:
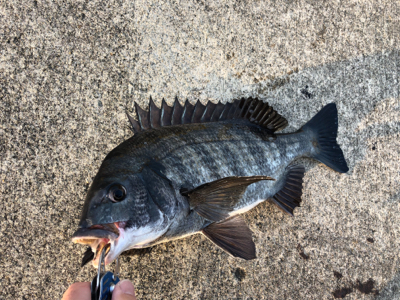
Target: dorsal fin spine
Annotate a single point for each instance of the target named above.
(232, 110)
(177, 113)
(217, 112)
(166, 112)
(192, 116)
(265, 115)
(187, 113)
(143, 117)
(244, 108)
(281, 124)
(257, 110)
(249, 110)
(155, 114)
(253, 111)
(259, 115)
(198, 112)
(262, 111)
(204, 112)
(210, 107)
(269, 118)
(135, 124)
(150, 112)
(225, 112)
(214, 113)
(239, 108)
(184, 111)
(275, 119)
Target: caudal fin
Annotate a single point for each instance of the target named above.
(324, 126)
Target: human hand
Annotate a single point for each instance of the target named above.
(124, 290)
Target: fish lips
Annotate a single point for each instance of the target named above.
(96, 237)
(95, 232)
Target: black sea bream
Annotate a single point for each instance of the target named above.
(194, 169)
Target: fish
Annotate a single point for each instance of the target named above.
(192, 169)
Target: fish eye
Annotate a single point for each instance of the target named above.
(117, 193)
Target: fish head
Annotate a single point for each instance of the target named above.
(120, 211)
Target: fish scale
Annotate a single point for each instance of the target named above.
(175, 178)
(260, 158)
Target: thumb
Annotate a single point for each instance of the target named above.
(124, 290)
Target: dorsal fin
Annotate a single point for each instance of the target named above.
(254, 110)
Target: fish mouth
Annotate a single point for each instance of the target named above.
(99, 236)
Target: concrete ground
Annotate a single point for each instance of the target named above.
(70, 69)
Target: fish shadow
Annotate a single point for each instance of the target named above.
(365, 91)
(138, 252)
(391, 290)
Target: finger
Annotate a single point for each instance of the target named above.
(124, 290)
(78, 291)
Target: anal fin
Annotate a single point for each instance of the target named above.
(233, 236)
(289, 196)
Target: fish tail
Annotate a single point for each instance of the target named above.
(323, 128)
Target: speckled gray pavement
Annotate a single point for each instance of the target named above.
(70, 69)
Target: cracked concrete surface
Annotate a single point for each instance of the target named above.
(70, 69)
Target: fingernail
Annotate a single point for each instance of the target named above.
(126, 287)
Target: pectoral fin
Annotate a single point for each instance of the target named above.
(215, 200)
(234, 236)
